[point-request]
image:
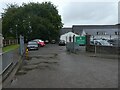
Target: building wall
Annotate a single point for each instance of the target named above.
(104, 36)
(92, 30)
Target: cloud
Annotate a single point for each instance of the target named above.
(119, 12)
(80, 11)
(90, 13)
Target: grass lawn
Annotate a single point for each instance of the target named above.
(9, 48)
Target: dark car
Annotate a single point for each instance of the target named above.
(46, 41)
(115, 42)
(32, 45)
(53, 41)
(61, 43)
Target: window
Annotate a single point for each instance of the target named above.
(97, 33)
(117, 33)
(101, 33)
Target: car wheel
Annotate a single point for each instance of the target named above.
(37, 48)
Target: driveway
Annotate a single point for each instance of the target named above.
(52, 67)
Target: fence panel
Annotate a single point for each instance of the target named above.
(7, 42)
(7, 60)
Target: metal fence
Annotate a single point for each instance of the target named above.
(12, 57)
(9, 58)
(72, 46)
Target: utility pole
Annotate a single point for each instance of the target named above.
(16, 33)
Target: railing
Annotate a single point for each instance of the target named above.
(103, 49)
(9, 58)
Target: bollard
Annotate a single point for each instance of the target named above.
(26, 54)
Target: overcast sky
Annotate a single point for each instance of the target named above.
(80, 12)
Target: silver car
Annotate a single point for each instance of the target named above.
(101, 42)
(32, 45)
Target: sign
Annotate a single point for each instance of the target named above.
(81, 40)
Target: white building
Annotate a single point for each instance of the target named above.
(66, 37)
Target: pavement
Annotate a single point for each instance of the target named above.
(9, 74)
(53, 67)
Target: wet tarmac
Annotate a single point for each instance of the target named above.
(53, 67)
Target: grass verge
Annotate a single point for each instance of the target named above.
(9, 48)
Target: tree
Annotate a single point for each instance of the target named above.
(33, 20)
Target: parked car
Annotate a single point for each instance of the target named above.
(115, 42)
(100, 42)
(61, 43)
(46, 41)
(40, 42)
(32, 45)
(53, 41)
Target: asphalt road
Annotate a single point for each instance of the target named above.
(52, 67)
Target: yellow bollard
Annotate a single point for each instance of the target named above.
(26, 54)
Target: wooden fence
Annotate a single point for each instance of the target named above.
(7, 42)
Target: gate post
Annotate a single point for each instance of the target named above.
(87, 41)
(74, 43)
(22, 49)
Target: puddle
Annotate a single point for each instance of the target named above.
(28, 58)
(42, 63)
(28, 69)
(35, 63)
(24, 70)
(21, 73)
(93, 56)
(44, 67)
(50, 62)
(47, 62)
(55, 54)
(43, 56)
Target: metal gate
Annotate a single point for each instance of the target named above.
(72, 46)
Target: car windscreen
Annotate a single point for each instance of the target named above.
(32, 43)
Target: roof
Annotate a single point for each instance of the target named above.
(92, 29)
(65, 30)
(66, 36)
(69, 34)
(95, 26)
(107, 31)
